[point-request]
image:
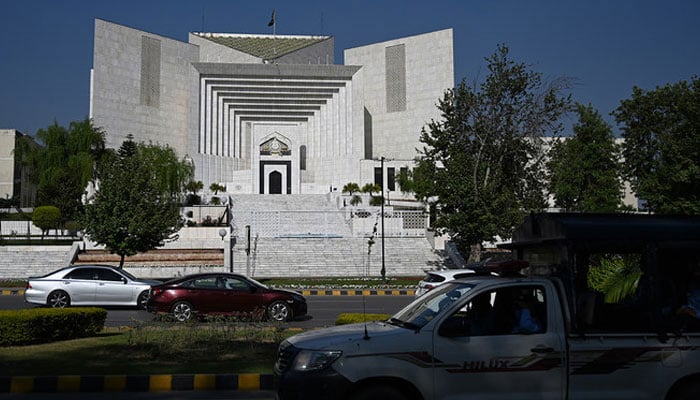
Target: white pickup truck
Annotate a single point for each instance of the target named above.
(472, 339)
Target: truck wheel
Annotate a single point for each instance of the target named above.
(690, 391)
(382, 392)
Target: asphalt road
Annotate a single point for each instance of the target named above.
(323, 310)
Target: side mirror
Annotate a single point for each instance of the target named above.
(124, 280)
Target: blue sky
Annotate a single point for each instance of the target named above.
(607, 46)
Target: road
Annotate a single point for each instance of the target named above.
(323, 310)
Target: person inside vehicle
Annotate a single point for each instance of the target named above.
(525, 322)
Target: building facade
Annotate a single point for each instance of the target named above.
(271, 114)
(15, 182)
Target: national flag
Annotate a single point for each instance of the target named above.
(272, 20)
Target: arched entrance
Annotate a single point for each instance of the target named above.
(275, 182)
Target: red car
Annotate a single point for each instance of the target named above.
(223, 294)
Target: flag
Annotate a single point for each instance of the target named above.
(272, 20)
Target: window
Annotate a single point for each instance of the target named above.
(302, 158)
(391, 178)
(378, 177)
(83, 273)
(107, 275)
(512, 310)
(236, 284)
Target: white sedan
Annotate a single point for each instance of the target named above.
(88, 285)
(436, 278)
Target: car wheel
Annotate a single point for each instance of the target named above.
(58, 299)
(182, 311)
(142, 300)
(379, 392)
(279, 311)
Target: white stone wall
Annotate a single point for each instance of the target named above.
(429, 72)
(7, 162)
(116, 88)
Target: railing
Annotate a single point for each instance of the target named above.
(11, 230)
(356, 223)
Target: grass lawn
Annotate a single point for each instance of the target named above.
(173, 349)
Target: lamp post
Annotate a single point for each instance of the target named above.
(383, 271)
(231, 243)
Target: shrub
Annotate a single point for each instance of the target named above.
(43, 325)
(46, 217)
(351, 318)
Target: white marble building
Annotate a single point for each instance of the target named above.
(268, 114)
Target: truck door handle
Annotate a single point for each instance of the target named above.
(542, 350)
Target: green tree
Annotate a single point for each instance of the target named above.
(584, 170)
(136, 206)
(370, 189)
(351, 188)
(64, 164)
(661, 150)
(482, 164)
(45, 218)
(216, 188)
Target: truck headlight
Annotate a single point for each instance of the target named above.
(313, 360)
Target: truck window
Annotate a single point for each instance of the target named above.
(513, 310)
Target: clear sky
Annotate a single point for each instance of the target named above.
(607, 46)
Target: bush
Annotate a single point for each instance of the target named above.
(351, 318)
(44, 325)
(46, 217)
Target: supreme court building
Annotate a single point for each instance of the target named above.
(271, 114)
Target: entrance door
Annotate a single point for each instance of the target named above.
(275, 180)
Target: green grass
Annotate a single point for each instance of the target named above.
(153, 349)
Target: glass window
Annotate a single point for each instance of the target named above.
(513, 310)
(236, 284)
(107, 275)
(205, 283)
(83, 273)
(391, 178)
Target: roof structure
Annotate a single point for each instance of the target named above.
(267, 47)
(608, 230)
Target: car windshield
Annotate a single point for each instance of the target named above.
(425, 308)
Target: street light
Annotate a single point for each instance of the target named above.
(383, 272)
(231, 243)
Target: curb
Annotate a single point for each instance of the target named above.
(359, 292)
(305, 292)
(135, 383)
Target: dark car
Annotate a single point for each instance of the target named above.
(223, 294)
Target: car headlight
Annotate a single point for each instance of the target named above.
(313, 360)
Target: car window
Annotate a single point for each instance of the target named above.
(513, 310)
(236, 284)
(205, 283)
(433, 278)
(82, 273)
(107, 275)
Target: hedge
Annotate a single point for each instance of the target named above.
(44, 325)
(351, 318)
